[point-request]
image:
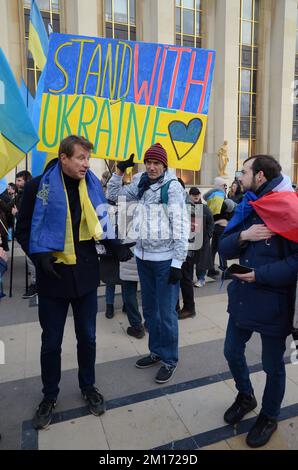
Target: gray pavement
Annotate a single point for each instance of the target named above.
(185, 413)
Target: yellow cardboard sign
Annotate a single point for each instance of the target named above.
(124, 96)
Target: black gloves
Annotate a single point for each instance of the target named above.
(45, 262)
(122, 252)
(115, 249)
(175, 275)
(126, 164)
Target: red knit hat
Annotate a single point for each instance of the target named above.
(157, 152)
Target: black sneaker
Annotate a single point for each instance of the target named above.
(44, 414)
(147, 361)
(261, 431)
(30, 292)
(184, 313)
(95, 400)
(136, 331)
(164, 374)
(110, 311)
(241, 406)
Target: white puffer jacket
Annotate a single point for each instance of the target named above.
(174, 222)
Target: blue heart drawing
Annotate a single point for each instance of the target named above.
(186, 134)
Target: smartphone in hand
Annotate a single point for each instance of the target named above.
(238, 269)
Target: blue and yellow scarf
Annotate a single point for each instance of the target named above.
(51, 228)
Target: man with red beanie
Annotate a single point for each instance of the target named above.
(162, 226)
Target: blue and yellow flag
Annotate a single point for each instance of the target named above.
(17, 134)
(38, 38)
(3, 185)
(27, 97)
(215, 201)
(38, 157)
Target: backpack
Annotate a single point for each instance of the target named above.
(164, 196)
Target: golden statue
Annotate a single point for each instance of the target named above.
(223, 159)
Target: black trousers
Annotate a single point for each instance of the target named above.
(186, 284)
(52, 317)
(218, 231)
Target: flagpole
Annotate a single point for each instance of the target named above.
(12, 257)
(111, 173)
(26, 158)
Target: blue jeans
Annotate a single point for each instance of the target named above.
(110, 293)
(273, 349)
(52, 316)
(129, 293)
(159, 301)
(201, 275)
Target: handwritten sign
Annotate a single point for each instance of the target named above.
(124, 96)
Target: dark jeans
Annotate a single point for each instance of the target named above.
(218, 231)
(201, 274)
(52, 316)
(129, 293)
(159, 301)
(110, 293)
(273, 349)
(186, 284)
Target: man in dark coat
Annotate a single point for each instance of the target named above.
(68, 274)
(261, 300)
(202, 227)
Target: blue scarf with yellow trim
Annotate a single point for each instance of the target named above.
(48, 228)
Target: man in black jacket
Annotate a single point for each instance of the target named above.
(61, 282)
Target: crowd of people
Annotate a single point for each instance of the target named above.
(70, 226)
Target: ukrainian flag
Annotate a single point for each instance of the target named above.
(3, 185)
(38, 38)
(17, 134)
(215, 202)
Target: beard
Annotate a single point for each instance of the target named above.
(252, 187)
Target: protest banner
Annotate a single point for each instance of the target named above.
(124, 95)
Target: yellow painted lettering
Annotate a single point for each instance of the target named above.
(126, 47)
(97, 73)
(60, 67)
(82, 44)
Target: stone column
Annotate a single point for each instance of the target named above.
(222, 35)
(4, 21)
(11, 41)
(275, 114)
(156, 21)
